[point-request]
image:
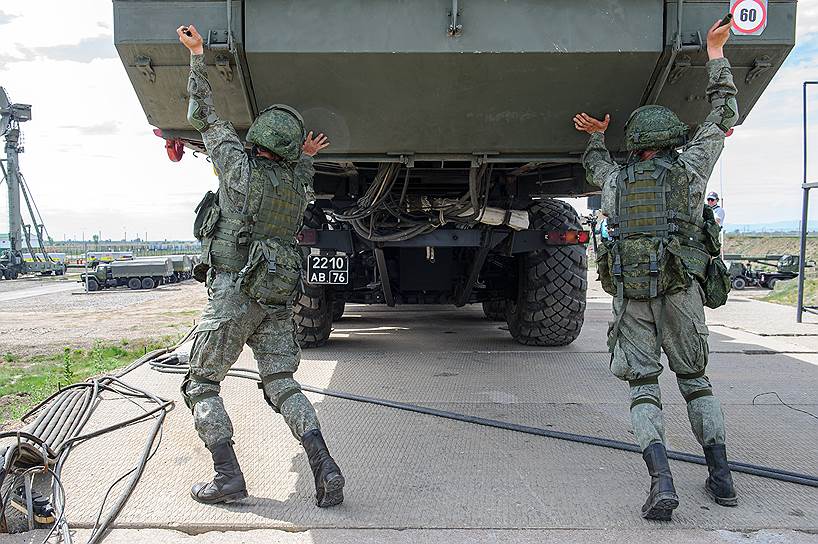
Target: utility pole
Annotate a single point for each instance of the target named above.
(13, 182)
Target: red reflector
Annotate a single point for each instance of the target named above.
(158, 132)
(567, 237)
(307, 237)
(175, 149)
(728, 133)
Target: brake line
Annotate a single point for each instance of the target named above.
(773, 473)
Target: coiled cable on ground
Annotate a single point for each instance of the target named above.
(44, 444)
(171, 364)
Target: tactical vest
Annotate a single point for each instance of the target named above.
(278, 214)
(656, 235)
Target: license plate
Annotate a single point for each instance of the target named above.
(328, 269)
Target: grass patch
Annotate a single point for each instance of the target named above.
(786, 292)
(29, 382)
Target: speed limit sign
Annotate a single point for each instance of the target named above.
(749, 16)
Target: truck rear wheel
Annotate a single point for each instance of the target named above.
(338, 307)
(495, 310)
(135, 283)
(148, 283)
(550, 305)
(312, 313)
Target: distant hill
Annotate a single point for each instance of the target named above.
(778, 226)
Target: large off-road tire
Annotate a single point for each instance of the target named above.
(312, 313)
(135, 283)
(495, 310)
(93, 285)
(148, 283)
(338, 307)
(550, 305)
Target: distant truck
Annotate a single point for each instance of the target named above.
(743, 275)
(97, 257)
(182, 268)
(136, 274)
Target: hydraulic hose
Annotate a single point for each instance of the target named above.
(746, 468)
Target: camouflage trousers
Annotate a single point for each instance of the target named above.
(230, 320)
(677, 323)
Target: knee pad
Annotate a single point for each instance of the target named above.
(694, 386)
(281, 396)
(190, 382)
(646, 391)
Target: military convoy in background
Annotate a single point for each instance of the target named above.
(141, 273)
(774, 268)
(450, 126)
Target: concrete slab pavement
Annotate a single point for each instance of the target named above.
(419, 478)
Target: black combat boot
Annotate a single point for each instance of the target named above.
(719, 484)
(228, 484)
(662, 499)
(329, 482)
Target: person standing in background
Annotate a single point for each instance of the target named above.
(718, 211)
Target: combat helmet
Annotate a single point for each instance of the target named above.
(280, 129)
(654, 127)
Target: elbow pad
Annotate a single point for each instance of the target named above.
(201, 113)
(725, 112)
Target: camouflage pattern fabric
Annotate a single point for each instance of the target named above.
(654, 127)
(239, 190)
(677, 319)
(280, 129)
(636, 359)
(231, 320)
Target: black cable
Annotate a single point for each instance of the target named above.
(747, 468)
(810, 414)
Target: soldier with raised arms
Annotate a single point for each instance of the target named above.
(660, 253)
(248, 233)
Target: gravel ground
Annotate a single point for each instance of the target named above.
(45, 324)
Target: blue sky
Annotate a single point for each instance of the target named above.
(94, 165)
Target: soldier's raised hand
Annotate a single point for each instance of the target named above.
(717, 36)
(191, 39)
(585, 123)
(312, 145)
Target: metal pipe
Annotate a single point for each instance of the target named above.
(804, 211)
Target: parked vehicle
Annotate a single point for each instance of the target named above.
(137, 274)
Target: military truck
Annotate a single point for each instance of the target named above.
(182, 268)
(451, 131)
(774, 268)
(145, 273)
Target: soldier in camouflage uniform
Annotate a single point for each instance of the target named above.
(248, 234)
(653, 265)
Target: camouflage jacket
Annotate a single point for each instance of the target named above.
(697, 158)
(238, 190)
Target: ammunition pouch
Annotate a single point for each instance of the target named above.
(712, 232)
(604, 268)
(716, 284)
(647, 267)
(272, 272)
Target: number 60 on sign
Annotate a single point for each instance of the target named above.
(749, 16)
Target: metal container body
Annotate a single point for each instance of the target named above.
(384, 77)
(152, 267)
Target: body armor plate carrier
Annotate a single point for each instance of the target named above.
(259, 246)
(657, 238)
